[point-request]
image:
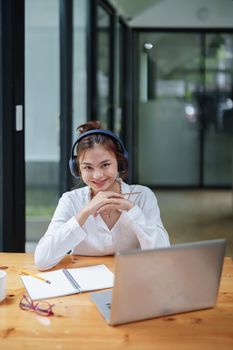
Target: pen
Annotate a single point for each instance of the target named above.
(129, 193)
(33, 275)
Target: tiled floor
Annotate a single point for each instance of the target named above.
(192, 215)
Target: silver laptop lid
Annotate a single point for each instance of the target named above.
(180, 278)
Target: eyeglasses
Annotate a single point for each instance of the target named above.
(41, 307)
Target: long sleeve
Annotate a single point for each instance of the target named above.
(146, 222)
(62, 235)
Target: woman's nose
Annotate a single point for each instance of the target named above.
(97, 173)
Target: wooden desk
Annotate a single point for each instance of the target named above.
(78, 325)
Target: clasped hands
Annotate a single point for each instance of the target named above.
(103, 203)
(106, 201)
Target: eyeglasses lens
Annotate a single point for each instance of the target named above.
(25, 303)
(42, 307)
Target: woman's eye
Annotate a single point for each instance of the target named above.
(87, 168)
(105, 165)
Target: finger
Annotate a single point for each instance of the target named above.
(112, 201)
(107, 208)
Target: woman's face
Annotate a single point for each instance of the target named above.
(98, 168)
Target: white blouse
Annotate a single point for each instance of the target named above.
(140, 227)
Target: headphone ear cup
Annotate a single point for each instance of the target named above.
(73, 167)
(125, 154)
(123, 165)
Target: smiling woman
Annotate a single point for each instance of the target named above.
(103, 217)
(98, 169)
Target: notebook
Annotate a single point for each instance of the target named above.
(68, 281)
(158, 282)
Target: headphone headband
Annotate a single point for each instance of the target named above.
(72, 162)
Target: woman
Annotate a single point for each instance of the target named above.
(107, 215)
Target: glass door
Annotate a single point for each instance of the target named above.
(168, 129)
(42, 152)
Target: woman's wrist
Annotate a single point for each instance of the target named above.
(81, 217)
(130, 206)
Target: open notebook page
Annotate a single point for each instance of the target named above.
(38, 289)
(93, 277)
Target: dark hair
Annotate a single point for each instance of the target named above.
(89, 142)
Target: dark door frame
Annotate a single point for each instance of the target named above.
(66, 92)
(12, 164)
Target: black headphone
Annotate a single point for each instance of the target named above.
(73, 158)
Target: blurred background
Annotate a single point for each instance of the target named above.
(158, 73)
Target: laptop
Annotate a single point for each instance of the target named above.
(164, 281)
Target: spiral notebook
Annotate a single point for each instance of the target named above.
(68, 281)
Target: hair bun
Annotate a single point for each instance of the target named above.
(94, 124)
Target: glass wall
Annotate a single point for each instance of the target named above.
(79, 64)
(79, 69)
(111, 52)
(41, 115)
(103, 66)
(185, 109)
(119, 88)
(218, 156)
(168, 118)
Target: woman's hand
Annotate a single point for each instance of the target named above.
(104, 201)
(114, 201)
(101, 199)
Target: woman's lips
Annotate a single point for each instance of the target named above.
(99, 183)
